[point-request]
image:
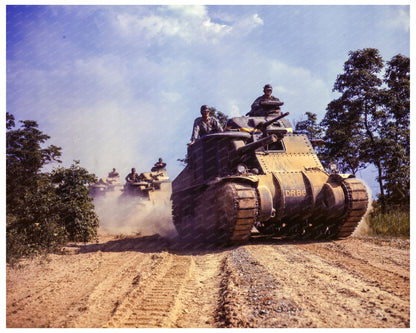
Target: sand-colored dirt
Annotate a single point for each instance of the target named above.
(148, 281)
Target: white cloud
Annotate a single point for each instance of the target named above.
(247, 24)
(170, 96)
(400, 19)
(232, 107)
(199, 12)
(191, 24)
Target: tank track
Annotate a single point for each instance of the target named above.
(245, 211)
(357, 204)
(223, 214)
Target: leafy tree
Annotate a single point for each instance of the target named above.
(310, 127)
(44, 210)
(221, 117)
(24, 159)
(314, 132)
(355, 119)
(396, 100)
(10, 123)
(343, 137)
(370, 124)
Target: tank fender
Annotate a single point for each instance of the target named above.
(334, 195)
(245, 179)
(334, 198)
(266, 209)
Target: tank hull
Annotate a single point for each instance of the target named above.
(226, 211)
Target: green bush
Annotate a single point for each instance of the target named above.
(76, 210)
(58, 210)
(33, 227)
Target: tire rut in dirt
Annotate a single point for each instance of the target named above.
(200, 296)
(395, 277)
(154, 302)
(105, 298)
(330, 294)
(82, 298)
(249, 296)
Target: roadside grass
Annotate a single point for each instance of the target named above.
(394, 223)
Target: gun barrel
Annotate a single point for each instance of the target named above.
(257, 144)
(269, 122)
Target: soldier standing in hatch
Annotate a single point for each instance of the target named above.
(132, 177)
(159, 165)
(258, 110)
(113, 174)
(204, 125)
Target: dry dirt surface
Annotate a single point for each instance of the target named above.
(149, 281)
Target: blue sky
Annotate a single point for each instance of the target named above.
(120, 86)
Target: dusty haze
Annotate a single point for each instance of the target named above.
(131, 216)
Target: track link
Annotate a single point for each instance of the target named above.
(357, 204)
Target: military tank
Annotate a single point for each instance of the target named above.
(258, 175)
(154, 186)
(105, 186)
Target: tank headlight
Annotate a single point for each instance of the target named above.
(241, 168)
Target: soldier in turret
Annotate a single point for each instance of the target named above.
(133, 176)
(113, 174)
(266, 104)
(159, 165)
(204, 125)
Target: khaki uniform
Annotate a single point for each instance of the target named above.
(132, 177)
(202, 128)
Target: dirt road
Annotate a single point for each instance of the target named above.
(153, 282)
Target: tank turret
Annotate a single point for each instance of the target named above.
(260, 175)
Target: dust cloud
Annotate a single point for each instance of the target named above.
(363, 228)
(126, 215)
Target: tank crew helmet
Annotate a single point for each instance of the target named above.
(204, 108)
(267, 87)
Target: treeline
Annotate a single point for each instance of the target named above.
(369, 124)
(43, 209)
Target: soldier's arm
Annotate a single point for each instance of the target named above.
(256, 103)
(195, 130)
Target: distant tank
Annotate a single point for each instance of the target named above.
(259, 173)
(105, 186)
(154, 186)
